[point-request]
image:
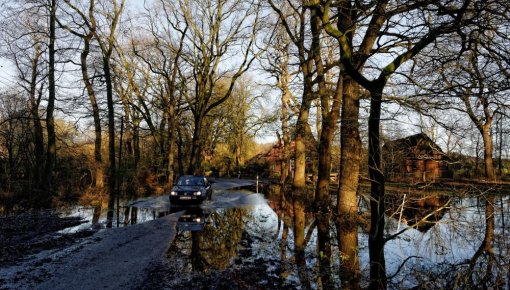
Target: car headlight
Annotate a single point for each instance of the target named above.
(197, 220)
(197, 193)
(173, 193)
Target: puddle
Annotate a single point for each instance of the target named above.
(244, 237)
(440, 253)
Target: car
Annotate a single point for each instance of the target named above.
(191, 189)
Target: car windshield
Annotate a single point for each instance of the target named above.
(190, 180)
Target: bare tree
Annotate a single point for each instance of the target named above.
(381, 25)
(106, 40)
(216, 29)
(470, 75)
(297, 23)
(162, 55)
(86, 33)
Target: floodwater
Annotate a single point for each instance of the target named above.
(441, 242)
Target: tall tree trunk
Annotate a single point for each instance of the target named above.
(112, 171)
(50, 120)
(377, 207)
(171, 143)
(350, 150)
(299, 181)
(500, 147)
(284, 86)
(38, 132)
(180, 153)
(98, 156)
(136, 142)
(196, 148)
(326, 138)
(487, 153)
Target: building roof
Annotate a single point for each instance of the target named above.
(418, 141)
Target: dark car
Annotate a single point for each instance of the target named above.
(191, 188)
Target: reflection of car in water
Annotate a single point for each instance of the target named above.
(191, 189)
(193, 219)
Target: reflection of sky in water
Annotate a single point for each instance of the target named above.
(453, 240)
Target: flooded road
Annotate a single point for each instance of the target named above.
(246, 240)
(444, 242)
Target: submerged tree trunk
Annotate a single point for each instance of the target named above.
(377, 207)
(324, 249)
(350, 150)
(347, 235)
(299, 239)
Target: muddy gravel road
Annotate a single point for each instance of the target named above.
(215, 245)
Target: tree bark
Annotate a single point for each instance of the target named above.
(171, 142)
(98, 156)
(196, 148)
(112, 169)
(377, 207)
(36, 119)
(347, 235)
(51, 149)
(487, 154)
(350, 150)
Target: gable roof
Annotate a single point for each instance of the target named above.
(418, 141)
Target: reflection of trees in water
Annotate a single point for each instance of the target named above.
(216, 245)
(291, 211)
(294, 213)
(489, 267)
(299, 240)
(441, 242)
(222, 235)
(470, 245)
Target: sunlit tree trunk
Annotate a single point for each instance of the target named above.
(350, 150)
(284, 174)
(98, 155)
(106, 43)
(329, 112)
(487, 154)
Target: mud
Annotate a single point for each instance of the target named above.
(31, 232)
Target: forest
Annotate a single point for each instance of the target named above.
(101, 99)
